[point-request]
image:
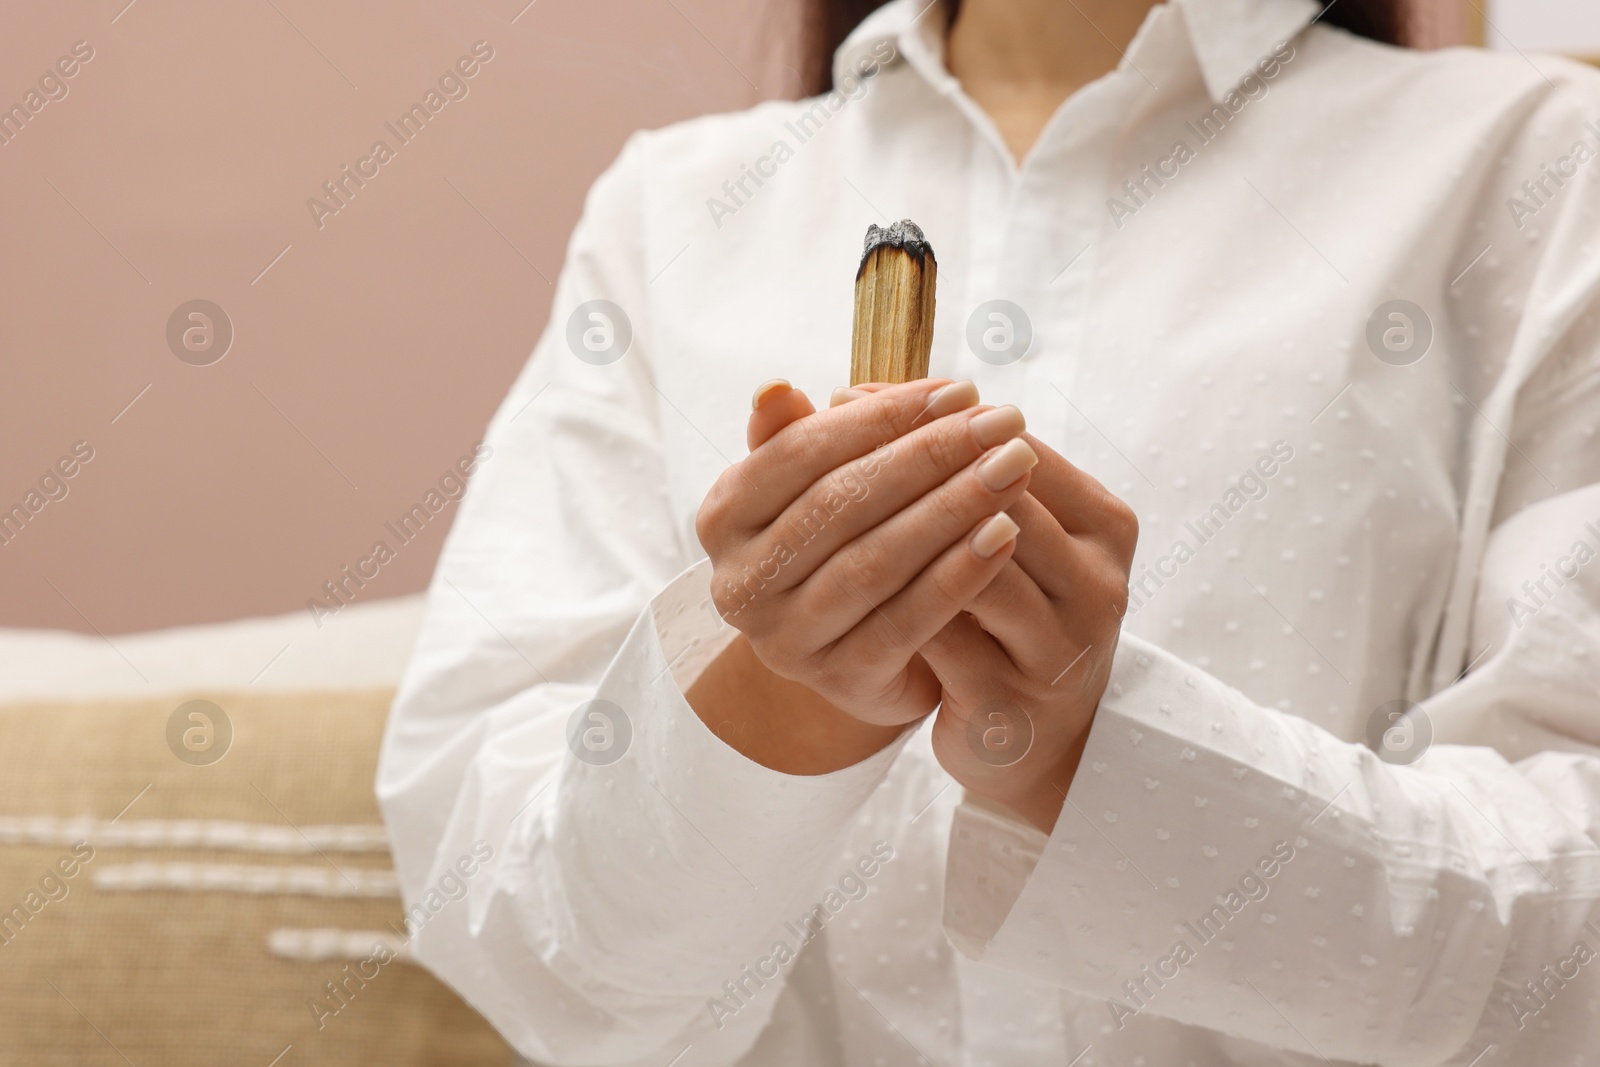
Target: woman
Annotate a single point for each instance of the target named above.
(1319, 311)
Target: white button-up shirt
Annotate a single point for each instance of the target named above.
(1324, 313)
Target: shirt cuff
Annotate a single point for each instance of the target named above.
(1159, 817)
(992, 855)
(674, 864)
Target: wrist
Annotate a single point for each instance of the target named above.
(1039, 799)
(781, 724)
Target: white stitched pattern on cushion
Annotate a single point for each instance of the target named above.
(193, 833)
(331, 943)
(248, 878)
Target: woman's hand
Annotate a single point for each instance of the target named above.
(1023, 668)
(847, 539)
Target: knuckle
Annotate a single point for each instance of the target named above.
(1119, 601)
(806, 524)
(954, 509)
(946, 449)
(835, 491)
(948, 586)
(857, 567)
(743, 598)
(1111, 587)
(727, 599)
(1005, 593)
(714, 516)
(1121, 520)
(886, 421)
(804, 438)
(827, 675)
(879, 645)
(778, 657)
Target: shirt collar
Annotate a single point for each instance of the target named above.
(1227, 37)
(914, 28)
(1230, 37)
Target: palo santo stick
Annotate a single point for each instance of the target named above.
(893, 331)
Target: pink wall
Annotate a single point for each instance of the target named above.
(367, 357)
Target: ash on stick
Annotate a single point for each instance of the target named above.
(893, 332)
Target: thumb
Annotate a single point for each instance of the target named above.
(776, 405)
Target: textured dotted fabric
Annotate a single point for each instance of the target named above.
(1341, 798)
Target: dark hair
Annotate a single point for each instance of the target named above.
(826, 23)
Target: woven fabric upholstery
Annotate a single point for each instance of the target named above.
(184, 976)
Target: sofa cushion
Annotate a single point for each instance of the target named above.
(199, 883)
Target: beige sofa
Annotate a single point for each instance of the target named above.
(184, 890)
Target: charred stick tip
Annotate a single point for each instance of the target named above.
(905, 235)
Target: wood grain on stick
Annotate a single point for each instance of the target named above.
(893, 332)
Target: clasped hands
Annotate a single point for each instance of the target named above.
(907, 549)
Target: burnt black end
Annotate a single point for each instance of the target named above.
(904, 234)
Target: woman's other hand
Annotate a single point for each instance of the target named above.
(1024, 667)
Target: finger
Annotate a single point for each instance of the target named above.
(852, 501)
(1073, 572)
(1081, 504)
(912, 617)
(1023, 621)
(1054, 576)
(775, 405)
(846, 393)
(964, 656)
(1046, 554)
(886, 558)
(804, 451)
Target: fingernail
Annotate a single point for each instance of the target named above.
(1010, 462)
(765, 389)
(994, 535)
(998, 426)
(957, 396)
(844, 394)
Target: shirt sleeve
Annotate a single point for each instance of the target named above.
(580, 857)
(1232, 866)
